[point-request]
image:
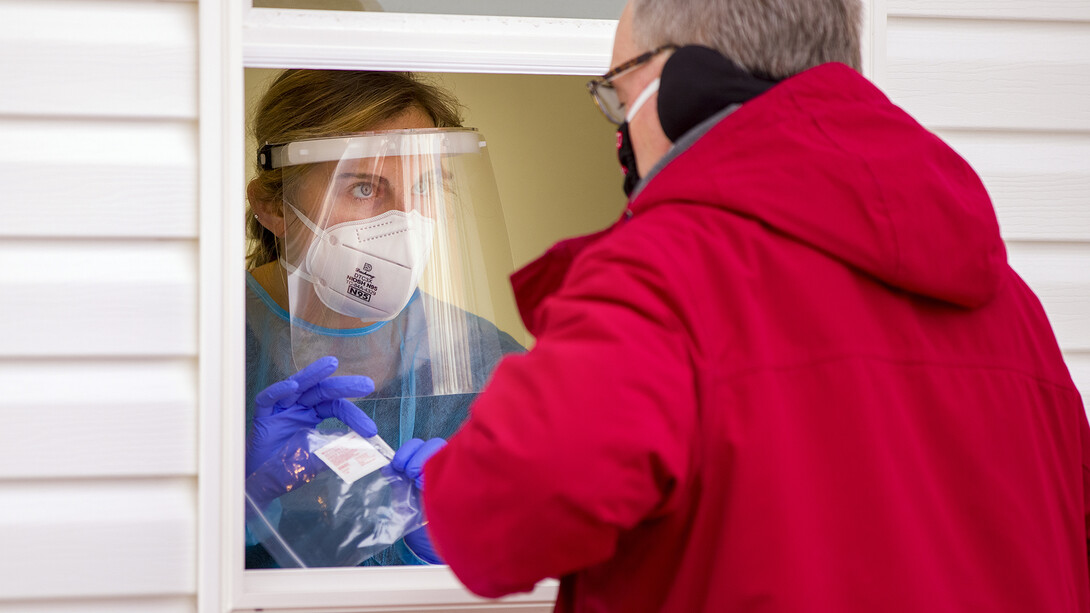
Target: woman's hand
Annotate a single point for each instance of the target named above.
(301, 402)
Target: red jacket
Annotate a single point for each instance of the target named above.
(800, 377)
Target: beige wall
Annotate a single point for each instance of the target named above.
(553, 153)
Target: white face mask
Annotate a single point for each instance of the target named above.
(368, 268)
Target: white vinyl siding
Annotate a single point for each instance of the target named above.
(98, 306)
(1006, 83)
(102, 357)
(99, 58)
(1022, 10)
(97, 538)
(100, 177)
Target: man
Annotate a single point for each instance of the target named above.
(797, 375)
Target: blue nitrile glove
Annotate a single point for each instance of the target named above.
(419, 543)
(284, 414)
(412, 455)
(301, 402)
(409, 459)
(271, 480)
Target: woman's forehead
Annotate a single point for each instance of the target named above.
(412, 118)
(391, 165)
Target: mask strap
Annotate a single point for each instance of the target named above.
(291, 268)
(647, 92)
(295, 270)
(303, 218)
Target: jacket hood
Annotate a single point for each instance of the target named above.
(826, 159)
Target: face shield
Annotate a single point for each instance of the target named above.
(396, 257)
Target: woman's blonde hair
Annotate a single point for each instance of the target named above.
(303, 104)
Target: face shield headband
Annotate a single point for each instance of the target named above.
(441, 141)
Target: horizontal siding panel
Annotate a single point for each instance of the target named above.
(100, 58)
(87, 298)
(173, 604)
(1040, 183)
(66, 539)
(1060, 276)
(990, 74)
(99, 179)
(1055, 10)
(1079, 366)
(110, 418)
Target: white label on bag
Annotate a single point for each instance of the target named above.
(351, 457)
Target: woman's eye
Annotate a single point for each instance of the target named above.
(363, 190)
(422, 187)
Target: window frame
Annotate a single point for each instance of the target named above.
(234, 35)
(300, 38)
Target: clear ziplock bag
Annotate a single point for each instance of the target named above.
(330, 499)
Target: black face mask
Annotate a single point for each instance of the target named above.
(627, 157)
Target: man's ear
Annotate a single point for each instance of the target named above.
(269, 211)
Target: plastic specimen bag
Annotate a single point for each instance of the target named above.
(343, 502)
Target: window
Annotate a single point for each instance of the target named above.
(512, 75)
(578, 9)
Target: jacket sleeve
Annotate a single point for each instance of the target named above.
(1085, 438)
(579, 439)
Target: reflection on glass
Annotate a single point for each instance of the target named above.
(576, 9)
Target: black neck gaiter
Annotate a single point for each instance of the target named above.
(698, 82)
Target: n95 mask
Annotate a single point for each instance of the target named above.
(368, 268)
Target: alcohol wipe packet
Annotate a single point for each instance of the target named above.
(330, 499)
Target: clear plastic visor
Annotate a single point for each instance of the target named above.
(396, 255)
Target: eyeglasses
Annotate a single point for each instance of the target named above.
(605, 95)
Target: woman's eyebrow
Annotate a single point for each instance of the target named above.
(360, 175)
(445, 175)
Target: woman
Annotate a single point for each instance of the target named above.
(366, 222)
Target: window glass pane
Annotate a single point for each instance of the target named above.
(542, 166)
(575, 9)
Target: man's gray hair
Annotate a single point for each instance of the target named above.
(775, 38)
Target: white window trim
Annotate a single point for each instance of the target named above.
(233, 35)
(283, 38)
(874, 40)
(221, 308)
